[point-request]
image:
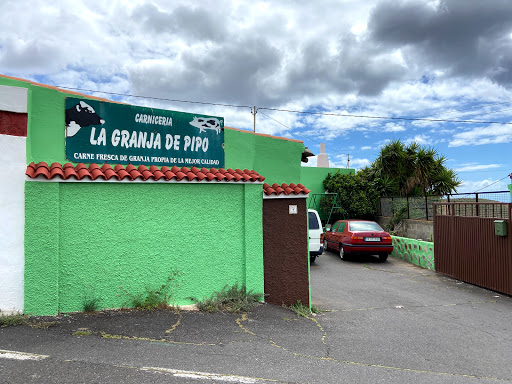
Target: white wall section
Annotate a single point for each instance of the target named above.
(12, 206)
(12, 222)
(13, 99)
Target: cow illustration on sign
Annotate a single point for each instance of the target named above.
(204, 123)
(81, 115)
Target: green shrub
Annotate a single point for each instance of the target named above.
(395, 226)
(358, 197)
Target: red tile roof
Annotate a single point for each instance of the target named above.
(143, 173)
(292, 189)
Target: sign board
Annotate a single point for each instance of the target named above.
(103, 132)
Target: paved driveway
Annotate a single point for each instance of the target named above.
(388, 323)
(412, 320)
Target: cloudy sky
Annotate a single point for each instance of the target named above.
(438, 60)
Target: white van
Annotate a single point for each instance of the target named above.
(316, 234)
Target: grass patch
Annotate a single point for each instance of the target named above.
(12, 320)
(232, 299)
(300, 309)
(303, 310)
(316, 310)
(82, 333)
(90, 304)
(156, 298)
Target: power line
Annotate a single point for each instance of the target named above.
(293, 111)
(468, 109)
(298, 134)
(493, 183)
(156, 98)
(386, 118)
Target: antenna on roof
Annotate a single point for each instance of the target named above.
(254, 111)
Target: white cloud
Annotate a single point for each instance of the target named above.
(393, 127)
(359, 163)
(420, 139)
(341, 161)
(365, 148)
(492, 134)
(486, 185)
(476, 167)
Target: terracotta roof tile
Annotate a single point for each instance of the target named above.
(285, 189)
(119, 172)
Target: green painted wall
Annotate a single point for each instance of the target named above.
(420, 253)
(313, 179)
(93, 238)
(45, 131)
(278, 160)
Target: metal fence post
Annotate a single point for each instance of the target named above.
(426, 206)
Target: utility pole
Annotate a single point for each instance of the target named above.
(254, 112)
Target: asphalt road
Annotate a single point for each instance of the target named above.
(387, 322)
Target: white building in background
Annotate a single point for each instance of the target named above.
(322, 160)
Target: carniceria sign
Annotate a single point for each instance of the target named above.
(98, 131)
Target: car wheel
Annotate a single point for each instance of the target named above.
(343, 254)
(312, 258)
(383, 256)
(325, 245)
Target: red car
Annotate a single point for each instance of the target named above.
(358, 236)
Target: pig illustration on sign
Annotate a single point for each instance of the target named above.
(81, 115)
(204, 123)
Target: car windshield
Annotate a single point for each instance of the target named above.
(313, 222)
(364, 226)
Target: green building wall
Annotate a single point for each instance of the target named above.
(277, 159)
(110, 239)
(92, 238)
(313, 178)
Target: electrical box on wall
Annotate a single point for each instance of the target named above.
(500, 227)
(292, 209)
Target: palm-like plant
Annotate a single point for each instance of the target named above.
(411, 170)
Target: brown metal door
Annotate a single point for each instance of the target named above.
(467, 248)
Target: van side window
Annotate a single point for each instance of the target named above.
(313, 222)
(335, 226)
(341, 228)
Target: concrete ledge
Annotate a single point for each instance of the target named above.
(413, 229)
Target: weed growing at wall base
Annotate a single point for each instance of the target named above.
(303, 310)
(156, 298)
(230, 299)
(90, 302)
(11, 320)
